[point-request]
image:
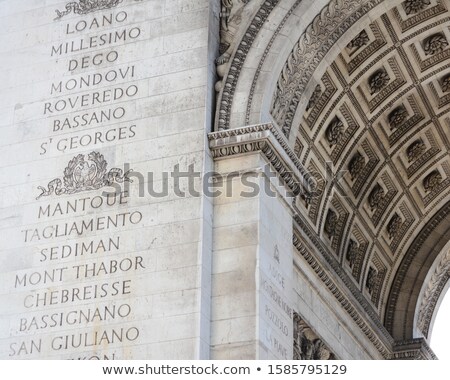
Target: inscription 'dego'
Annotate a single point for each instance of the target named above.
(87, 102)
(81, 108)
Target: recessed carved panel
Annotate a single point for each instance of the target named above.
(315, 96)
(380, 84)
(441, 96)
(362, 47)
(435, 50)
(432, 181)
(394, 225)
(415, 6)
(435, 184)
(319, 100)
(415, 150)
(379, 199)
(373, 284)
(397, 117)
(418, 154)
(363, 246)
(408, 123)
(417, 15)
(378, 81)
(356, 165)
(346, 135)
(358, 42)
(367, 170)
(376, 197)
(334, 223)
(435, 44)
(335, 132)
(331, 224)
(298, 148)
(445, 83)
(398, 225)
(316, 199)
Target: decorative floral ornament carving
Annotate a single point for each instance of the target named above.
(331, 222)
(432, 292)
(314, 97)
(445, 83)
(432, 181)
(371, 279)
(394, 225)
(378, 80)
(335, 131)
(352, 253)
(307, 345)
(359, 41)
(356, 165)
(435, 44)
(415, 150)
(397, 117)
(376, 196)
(84, 175)
(83, 7)
(415, 6)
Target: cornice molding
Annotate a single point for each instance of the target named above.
(382, 345)
(415, 349)
(264, 138)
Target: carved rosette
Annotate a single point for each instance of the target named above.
(307, 345)
(415, 6)
(445, 83)
(394, 225)
(352, 252)
(432, 181)
(371, 279)
(376, 196)
(397, 117)
(314, 97)
(356, 165)
(359, 41)
(331, 221)
(378, 81)
(435, 44)
(415, 150)
(335, 131)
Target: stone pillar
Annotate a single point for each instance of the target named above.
(252, 312)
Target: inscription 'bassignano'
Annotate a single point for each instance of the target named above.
(101, 282)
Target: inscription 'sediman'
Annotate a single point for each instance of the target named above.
(84, 175)
(83, 7)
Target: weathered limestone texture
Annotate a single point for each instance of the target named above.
(95, 95)
(227, 179)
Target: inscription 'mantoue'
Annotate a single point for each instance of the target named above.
(85, 270)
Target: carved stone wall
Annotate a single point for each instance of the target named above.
(361, 96)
